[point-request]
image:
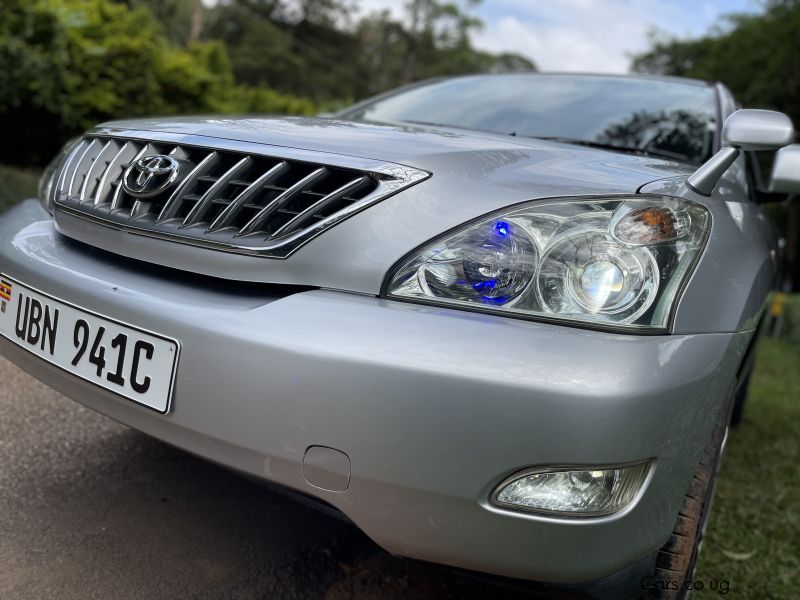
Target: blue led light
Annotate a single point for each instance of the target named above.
(486, 285)
(502, 228)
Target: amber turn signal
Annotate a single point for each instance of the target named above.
(650, 225)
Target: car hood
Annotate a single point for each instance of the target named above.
(471, 174)
(423, 147)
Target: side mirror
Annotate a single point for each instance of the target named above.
(786, 171)
(745, 130)
(752, 129)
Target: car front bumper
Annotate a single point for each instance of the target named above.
(434, 407)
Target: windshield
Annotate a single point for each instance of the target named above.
(646, 115)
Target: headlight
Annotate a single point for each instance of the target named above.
(576, 491)
(616, 262)
(47, 182)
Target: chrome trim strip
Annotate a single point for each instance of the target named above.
(345, 161)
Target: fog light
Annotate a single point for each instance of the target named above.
(573, 492)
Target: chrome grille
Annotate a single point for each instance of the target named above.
(229, 200)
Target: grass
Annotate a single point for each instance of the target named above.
(753, 538)
(16, 184)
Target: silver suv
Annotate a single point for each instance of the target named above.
(499, 322)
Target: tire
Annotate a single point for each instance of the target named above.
(738, 403)
(675, 562)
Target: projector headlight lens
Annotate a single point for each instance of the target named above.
(578, 492)
(492, 264)
(611, 261)
(589, 274)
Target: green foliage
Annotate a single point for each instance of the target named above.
(16, 185)
(66, 65)
(306, 51)
(756, 56)
(245, 99)
(790, 328)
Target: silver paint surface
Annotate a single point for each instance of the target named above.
(754, 129)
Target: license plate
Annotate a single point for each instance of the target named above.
(131, 362)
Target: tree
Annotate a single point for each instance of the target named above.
(436, 42)
(758, 58)
(296, 47)
(66, 65)
(680, 132)
(438, 31)
(510, 62)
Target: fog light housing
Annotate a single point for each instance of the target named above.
(572, 491)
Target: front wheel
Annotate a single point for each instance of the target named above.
(676, 560)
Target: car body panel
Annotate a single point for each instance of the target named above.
(429, 428)
(729, 286)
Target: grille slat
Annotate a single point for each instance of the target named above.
(281, 200)
(217, 195)
(69, 167)
(172, 205)
(77, 168)
(102, 185)
(226, 217)
(90, 173)
(117, 198)
(308, 213)
(198, 210)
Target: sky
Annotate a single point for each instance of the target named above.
(584, 35)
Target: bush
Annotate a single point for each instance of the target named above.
(66, 65)
(265, 100)
(790, 328)
(16, 185)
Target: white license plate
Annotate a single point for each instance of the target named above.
(126, 360)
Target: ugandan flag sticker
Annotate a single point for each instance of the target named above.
(5, 290)
(5, 294)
